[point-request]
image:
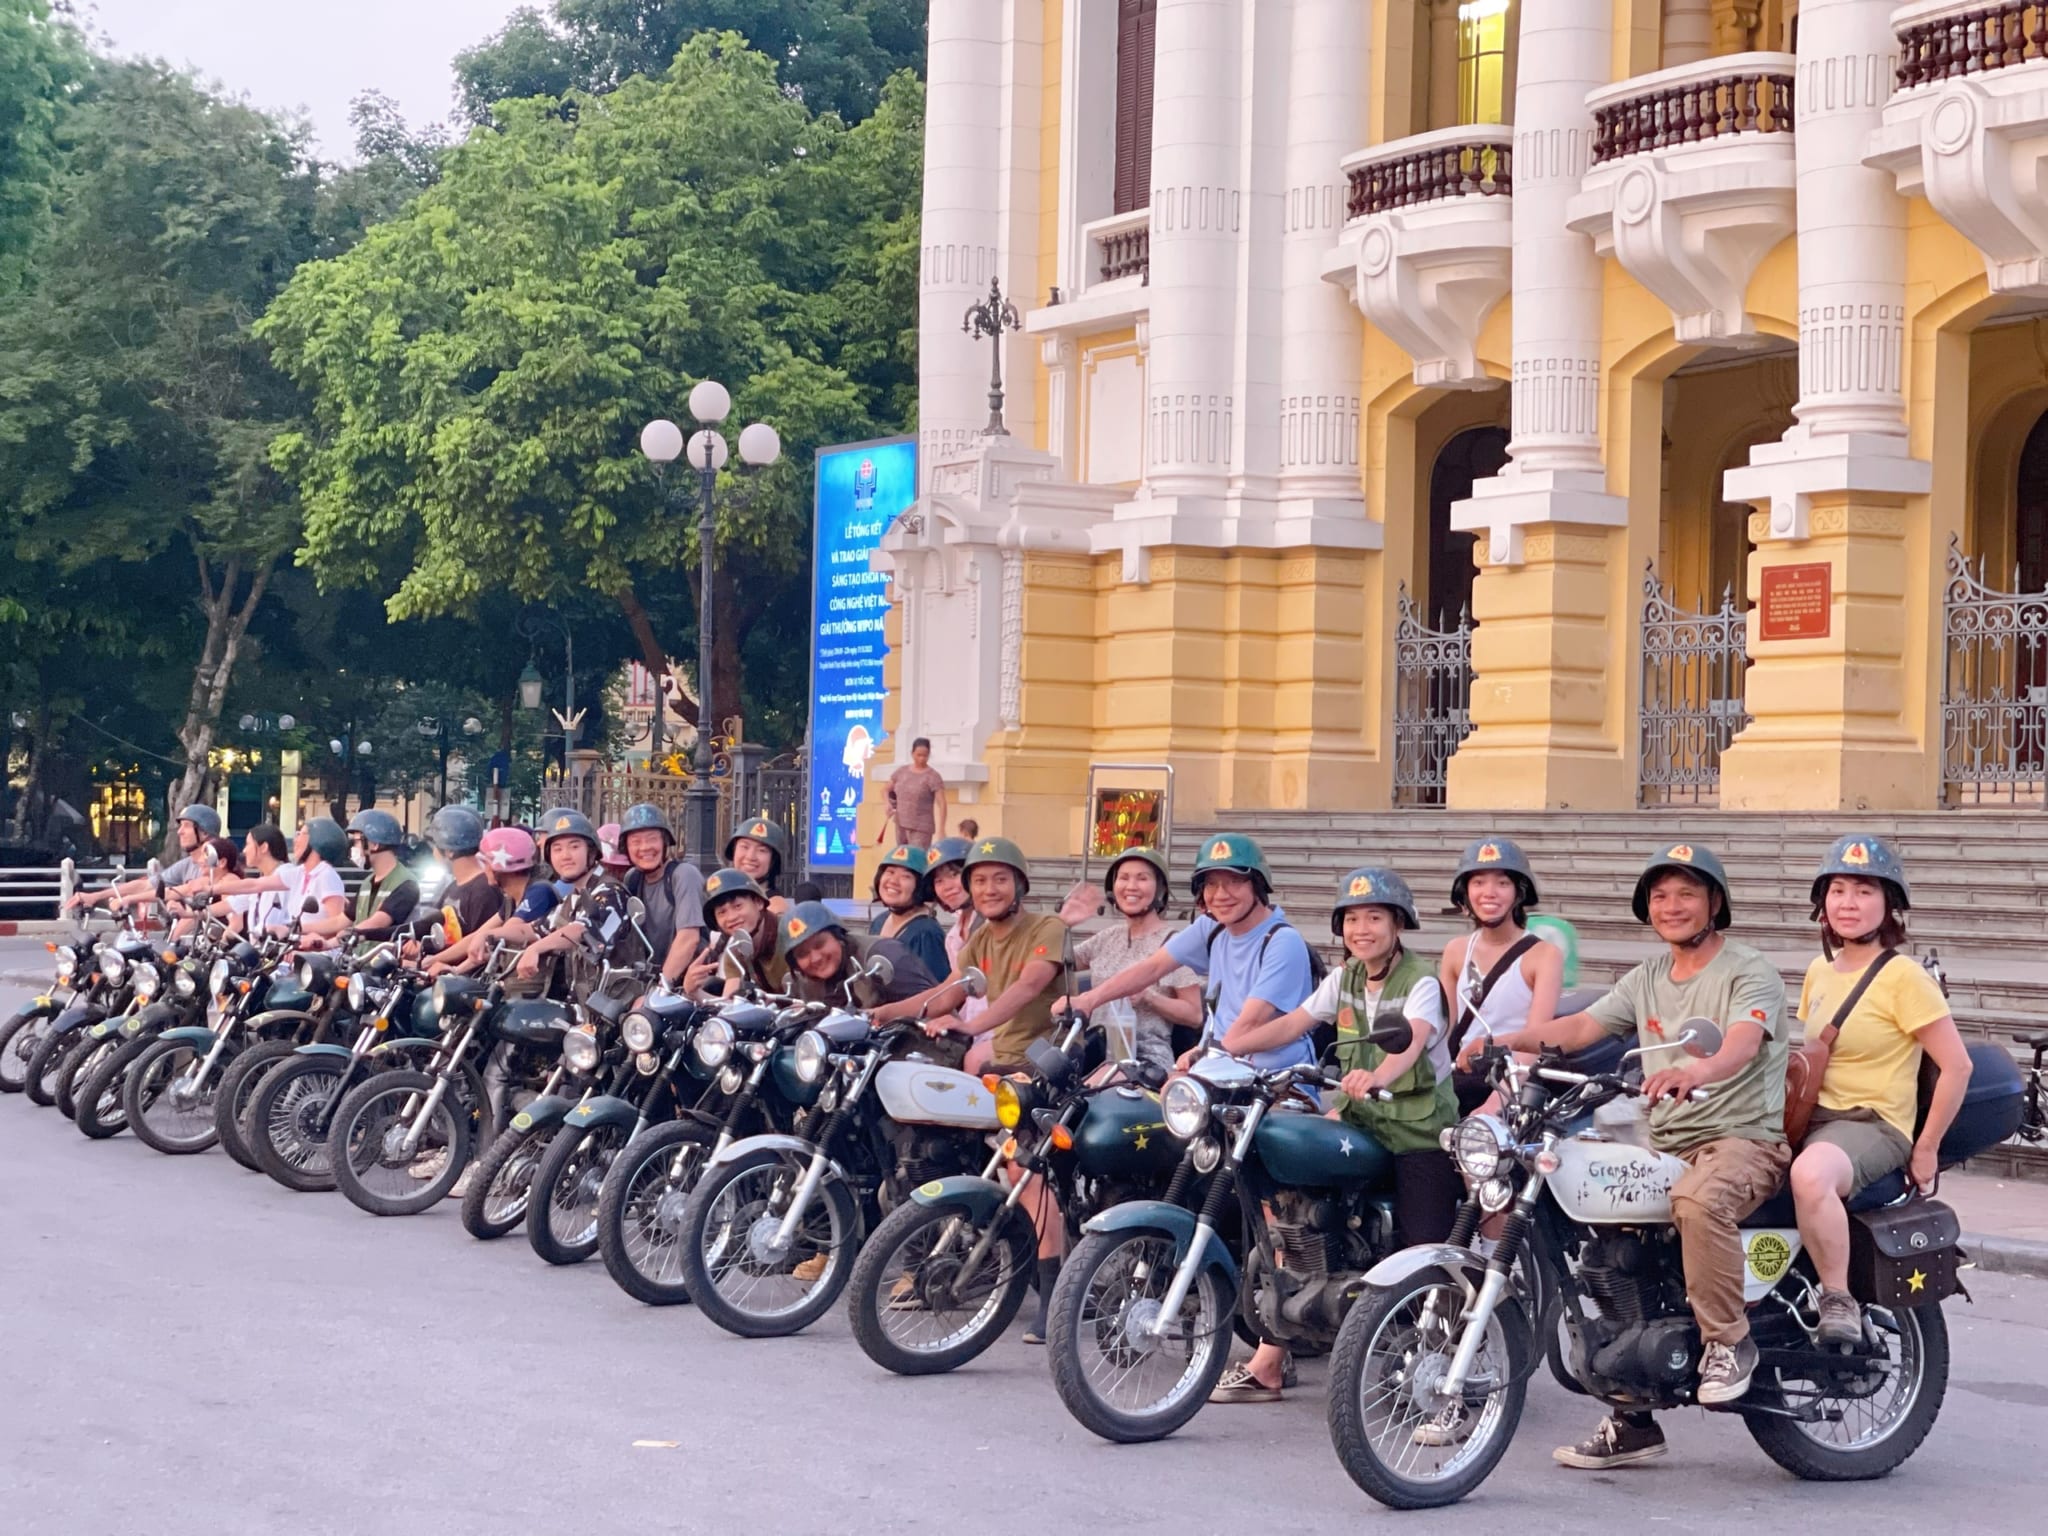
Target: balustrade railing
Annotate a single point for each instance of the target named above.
(1127, 253)
(1468, 168)
(1692, 111)
(1972, 41)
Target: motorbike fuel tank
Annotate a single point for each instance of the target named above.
(1122, 1134)
(1310, 1150)
(1612, 1181)
(918, 1093)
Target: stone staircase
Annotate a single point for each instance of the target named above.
(1980, 890)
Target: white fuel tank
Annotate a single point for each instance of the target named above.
(1611, 1181)
(918, 1093)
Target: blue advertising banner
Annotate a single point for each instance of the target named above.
(861, 489)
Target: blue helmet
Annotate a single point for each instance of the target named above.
(455, 830)
(204, 817)
(378, 827)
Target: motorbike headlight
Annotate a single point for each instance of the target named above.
(217, 978)
(358, 991)
(67, 962)
(730, 1082)
(1009, 1106)
(1185, 1107)
(579, 1048)
(113, 965)
(713, 1043)
(1207, 1153)
(1479, 1148)
(813, 1056)
(186, 982)
(647, 1064)
(147, 980)
(638, 1032)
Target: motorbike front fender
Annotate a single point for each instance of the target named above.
(776, 1141)
(198, 1036)
(1397, 1268)
(1175, 1221)
(340, 1052)
(76, 1017)
(603, 1110)
(401, 1044)
(274, 1019)
(980, 1198)
(542, 1113)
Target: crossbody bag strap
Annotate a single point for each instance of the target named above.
(1501, 967)
(1834, 1025)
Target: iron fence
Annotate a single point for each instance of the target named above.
(1432, 701)
(748, 782)
(1693, 665)
(1994, 689)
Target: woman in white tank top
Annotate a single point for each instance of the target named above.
(1495, 888)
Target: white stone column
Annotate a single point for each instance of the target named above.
(1320, 344)
(1197, 210)
(962, 169)
(1688, 31)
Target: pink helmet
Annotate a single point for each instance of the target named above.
(507, 850)
(614, 849)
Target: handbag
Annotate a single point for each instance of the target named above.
(1806, 1066)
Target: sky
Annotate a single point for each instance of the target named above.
(311, 54)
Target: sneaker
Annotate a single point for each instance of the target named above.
(1447, 1428)
(1616, 1442)
(429, 1166)
(1725, 1373)
(812, 1268)
(1841, 1318)
(462, 1184)
(1239, 1385)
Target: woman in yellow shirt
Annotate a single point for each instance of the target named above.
(1863, 1127)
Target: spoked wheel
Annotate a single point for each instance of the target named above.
(640, 1211)
(1870, 1422)
(372, 1164)
(45, 1066)
(742, 1273)
(1402, 1439)
(290, 1116)
(97, 1095)
(238, 1085)
(80, 1062)
(567, 1186)
(498, 1192)
(917, 1305)
(1122, 1370)
(168, 1106)
(19, 1037)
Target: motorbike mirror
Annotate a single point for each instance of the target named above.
(881, 970)
(636, 909)
(156, 866)
(975, 980)
(740, 947)
(1701, 1037)
(1393, 1037)
(312, 907)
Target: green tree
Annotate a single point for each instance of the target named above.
(481, 365)
(834, 55)
(40, 61)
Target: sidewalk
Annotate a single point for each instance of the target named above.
(2005, 1221)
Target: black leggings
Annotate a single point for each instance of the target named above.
(1427, 1190)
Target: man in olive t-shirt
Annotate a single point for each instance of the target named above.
(1732, 1139)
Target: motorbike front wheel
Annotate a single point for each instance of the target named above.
(168, 1108)
(739, 1273)
(1862, 1435)
(289, 1118)
(1398, 1436)
(562, 1219)
(500, 1189)
(915, 1309)
(98, 1095)
(19, 1037)
(640, 1210)
(368, 1154)
(238, 1084)
(80, 1063)
(1120, 1373)
(48, 1062)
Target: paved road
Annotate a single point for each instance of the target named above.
(190, 1348)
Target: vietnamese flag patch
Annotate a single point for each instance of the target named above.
(1762, 1016)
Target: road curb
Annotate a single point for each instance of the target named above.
(2007, 1255)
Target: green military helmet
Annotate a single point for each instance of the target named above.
(904, 856)
(949, 850)
(566, 821)
(1233, 851)
(728, 883)
(203, 817)
(1867, 858)
(455, 831)
(325, 837)
(802, 923)
(644, 817)
(377, 827)
(1373, 885)
(999, 850)
(1148, 856)
(1694, 859)
(1500, 854)
(762, 829)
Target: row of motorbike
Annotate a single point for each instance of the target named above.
(764, 1157)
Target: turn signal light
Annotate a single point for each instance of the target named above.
(989, 1081)
(1063, 1138)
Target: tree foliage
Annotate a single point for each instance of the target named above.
(40, 62)
(834, 55)
(480, 366)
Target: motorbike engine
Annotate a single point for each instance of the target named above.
(1644, 1339)
(1307, 1233)
(923, 1155)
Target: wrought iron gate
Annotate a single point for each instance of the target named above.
(1692, 695)
(1432, 701)
(1994, 689)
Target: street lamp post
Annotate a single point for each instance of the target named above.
(531, 683)
(708, 453)
(436, 729)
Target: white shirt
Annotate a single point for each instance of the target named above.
(1423, 1007)
(322, 882)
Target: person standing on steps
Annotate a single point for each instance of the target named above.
(1499, 977)
(917, 798)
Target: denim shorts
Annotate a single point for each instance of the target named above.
(1874, 1145)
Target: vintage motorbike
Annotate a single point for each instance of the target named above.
(23, 1030)
(941, 1278)
(1428, 1379)
(178, 1002)
(118, 964)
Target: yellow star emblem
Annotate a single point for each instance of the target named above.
(1142, 1142)
(1916, 1281)
(988, 847)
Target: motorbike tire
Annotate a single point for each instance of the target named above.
(1924, 1331)
(561, 1222)
(501, 1190)
(871, 1301)
(150, 1076)
(1375, 1314)
(238, 1084)
(294, 1100)
(357, 1139)
(101, 1110)
(641, 1208)
(19, 1037)
(707, 1222)
(43, 1067)
(1070, 1377)
(80, 1059)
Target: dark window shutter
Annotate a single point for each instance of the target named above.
(1137, 25)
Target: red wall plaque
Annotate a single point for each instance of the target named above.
(1795, 602)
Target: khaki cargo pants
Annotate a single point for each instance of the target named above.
(1725, 1180)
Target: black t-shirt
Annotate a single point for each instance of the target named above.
(399, 901)
(475, 902)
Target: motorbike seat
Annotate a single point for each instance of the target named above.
(1779, 1211)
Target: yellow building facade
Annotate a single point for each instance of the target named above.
(1672, 343)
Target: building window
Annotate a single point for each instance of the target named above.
(1137, 25)
(1482, 60)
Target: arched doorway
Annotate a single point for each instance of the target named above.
(1475, 454)
(2030, 510)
